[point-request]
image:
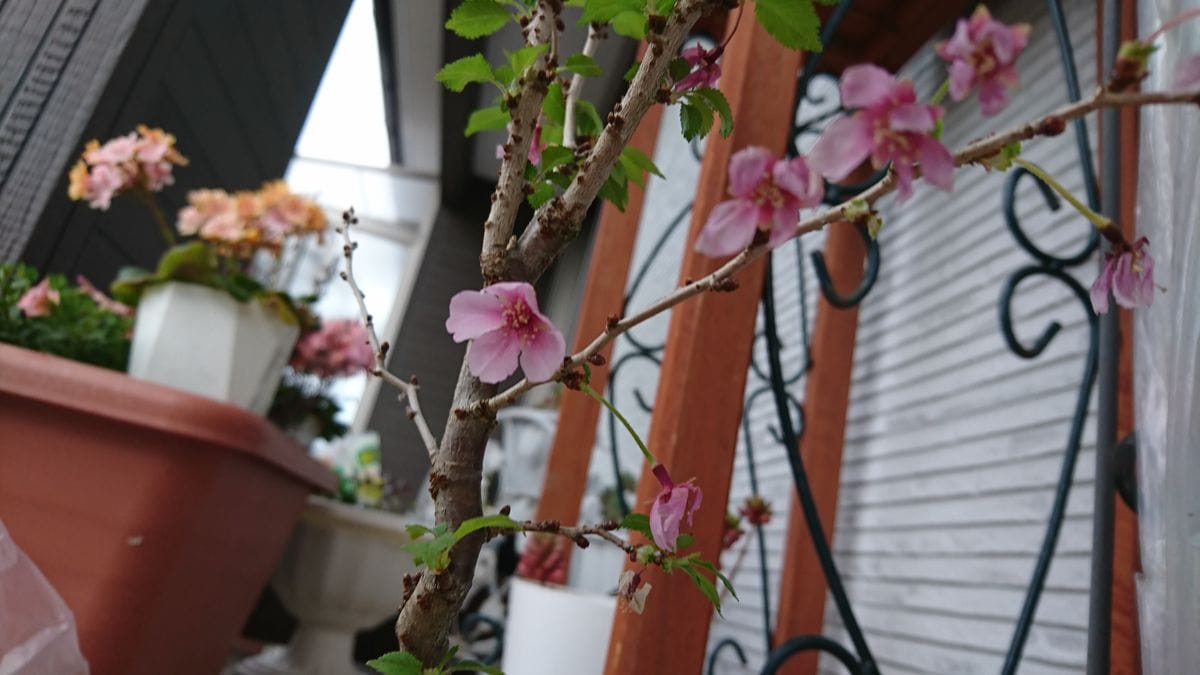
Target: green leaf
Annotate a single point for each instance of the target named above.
(630, 24)
(717, 101)
(554, 105)
(416, 531)
(475, 524)
(633, 68)
(582, 64)
(486, 119)
(678, 69)
(433, 553)
(193, 261)
(683, 541)
(695, 117)
(477, 18)
(641, 160)
(707, 588)
(587, 119)
(524, 57)
(474, 666)
(635, 173)
(554, 156)
(638, 522)
(456, 75)
(542, 193)
(794, 23)
(397, 663)
(616, 188)
(664, 7)
(713, 568)
(603, 11)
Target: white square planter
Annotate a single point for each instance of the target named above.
(201, 340)
(556, 629)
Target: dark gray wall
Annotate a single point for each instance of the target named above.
(232, 79)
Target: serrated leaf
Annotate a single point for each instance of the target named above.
(524, 57)
(553, 104)
(603, 11)
(456, 75)
(707, 587)
(555, 155)
(582, 64)
(678, 69)
(587, 119)
(486, 119)
(472, 525)
(477, 18)
(695, 117)
(397, 663)
(637, 522)
(634, 173)
(542, 193)
(717, 101)
(641, 160)
(630, 24)
(793, 23)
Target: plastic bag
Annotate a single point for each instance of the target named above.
(37, 630)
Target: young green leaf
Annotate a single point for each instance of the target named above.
(683, 541)
(477, 18)
(486, 119)
(696, 118)
(794, 23)
(555, 155)
(616, 187)
(603, 11)
(635, 173)
(630, 24)
(475, 524)
(524, 57)
(433, 553)
(707, 588)
(717, 101)
(637, 522)
(456, 75)
(678, 69)
(633, 68)
(641, 160)
(397, 663)
(542, 193)
(582, 64)
(663, 7)
(587, 119)
(474, 667)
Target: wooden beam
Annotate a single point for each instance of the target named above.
(604, 293)
(803, 586)
(698, 407)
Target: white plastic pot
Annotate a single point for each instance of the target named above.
(342, 572)
(201, 340)
(553, 630)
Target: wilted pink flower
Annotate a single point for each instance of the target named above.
(102, 300)
(337, 349)
(632, 591)
(983, 52)
(889, 127)
(673, 502)
(1187, 73)
(534, 155)
(769, 194)
(39, 300)
(1129, 274)
(705, 69)
(505, 326)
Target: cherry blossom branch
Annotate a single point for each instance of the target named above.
(721, 279)
(408, 390)
(525, 107)
(580, 533)
(596, 33)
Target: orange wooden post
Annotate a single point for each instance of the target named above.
(693, 430)
(608, 271)
(802, 588)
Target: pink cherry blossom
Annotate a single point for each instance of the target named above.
(983, 51)
(890, 126)
(337, 349)
(116, 151)
(103, 301)
(1129, 274)
(705, 69)
(39, 300)
(673, 502)
(769, 194)
(505, 327)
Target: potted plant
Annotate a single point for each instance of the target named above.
(330, 575)
(249, 327)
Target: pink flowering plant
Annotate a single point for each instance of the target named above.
(560, 155)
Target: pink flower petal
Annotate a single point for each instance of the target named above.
(729, 228)
(473, 313)
(1187, 73)
(911, 117)
(514, 292)
(842, 147)
(747, 168)
(904, 179)
(962, 78)
(794, 176)
(665, 516)
(543, 354)
(784, 226)
(937, 164)
(866, 85)
(1145, 295)
(993, 97)
(1100, 288)
(493, 356)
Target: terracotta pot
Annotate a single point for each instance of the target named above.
(157, 514)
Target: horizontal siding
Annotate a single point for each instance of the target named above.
(953, 443)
